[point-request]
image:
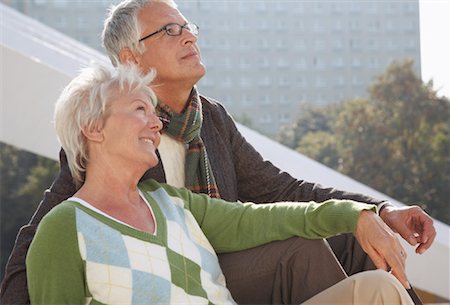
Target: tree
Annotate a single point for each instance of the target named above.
(312, 119)
(24, 177)
(396, 141)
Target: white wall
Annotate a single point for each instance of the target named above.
(30, 88)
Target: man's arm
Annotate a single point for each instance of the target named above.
(248, 177)
(256, 179)
(14, 285)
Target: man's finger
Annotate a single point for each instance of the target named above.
(426, 236)
(407, 234)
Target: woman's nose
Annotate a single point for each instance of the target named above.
(155, 123)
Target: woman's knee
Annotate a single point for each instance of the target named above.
(379, 278)
(382, 286)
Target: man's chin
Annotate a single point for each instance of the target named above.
(200, 71)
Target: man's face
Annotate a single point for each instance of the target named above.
(176, 58)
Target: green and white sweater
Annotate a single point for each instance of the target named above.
(82, 256)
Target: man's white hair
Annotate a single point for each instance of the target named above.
(122, 29)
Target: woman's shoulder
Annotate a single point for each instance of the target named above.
(60, 214)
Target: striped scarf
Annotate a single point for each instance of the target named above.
(185, 127)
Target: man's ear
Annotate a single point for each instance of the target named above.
(126, 56)
(94, 133)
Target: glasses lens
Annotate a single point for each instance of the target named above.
(193, 28)
(173, 29)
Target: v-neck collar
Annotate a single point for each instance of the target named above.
(158, 217)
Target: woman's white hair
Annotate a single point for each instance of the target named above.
(122, 29)
(83, 105)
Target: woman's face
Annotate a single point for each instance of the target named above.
(131, 130)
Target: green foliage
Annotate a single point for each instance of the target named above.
(396, 141)
(24, 177)
(312, 119)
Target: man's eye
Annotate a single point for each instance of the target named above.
(141, 108)
(171, 30)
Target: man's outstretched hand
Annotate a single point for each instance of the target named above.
(412, 223)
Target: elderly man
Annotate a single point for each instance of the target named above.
(202, 149)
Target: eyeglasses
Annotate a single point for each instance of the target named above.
(175, 29)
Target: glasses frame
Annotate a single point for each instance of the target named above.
(191, 27)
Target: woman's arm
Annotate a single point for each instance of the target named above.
(236, 226)
(55, 272)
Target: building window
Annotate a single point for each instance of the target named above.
(264, 81)
(261, 6)
(226, 82)
(242, 6)
(263, 62)
(244, 82)
(262, 43)
(246, 101)
(244, 63)
(372, 44)
(82, 22)
(284, 99)
(338, 62)
(284, 118)
(264, 25)
(300, 45)
(374, 63)
(320, 82)
(319, 44)
(206, 82)
(338, 25)
(265, 100)
(281, 44)
(223, 44)
(265, 119)
(301, 82)
(301, 64)
(282, 62)
(283, 82)
(60, 3)
(338, 45)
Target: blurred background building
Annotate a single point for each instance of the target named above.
(266, 58)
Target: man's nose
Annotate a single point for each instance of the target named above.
(188, 37)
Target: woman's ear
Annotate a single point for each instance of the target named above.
(126, 56)
(94, 133)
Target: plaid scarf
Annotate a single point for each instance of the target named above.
(185, 127)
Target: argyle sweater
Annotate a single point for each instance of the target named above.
(81, 256)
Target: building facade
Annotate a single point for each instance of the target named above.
(265, 58)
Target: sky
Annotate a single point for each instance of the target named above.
(435, 43)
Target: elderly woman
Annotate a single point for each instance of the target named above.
(121, 241)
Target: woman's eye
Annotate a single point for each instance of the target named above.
(141, 108)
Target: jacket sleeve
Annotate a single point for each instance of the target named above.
(259, 181)
(14, 285)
